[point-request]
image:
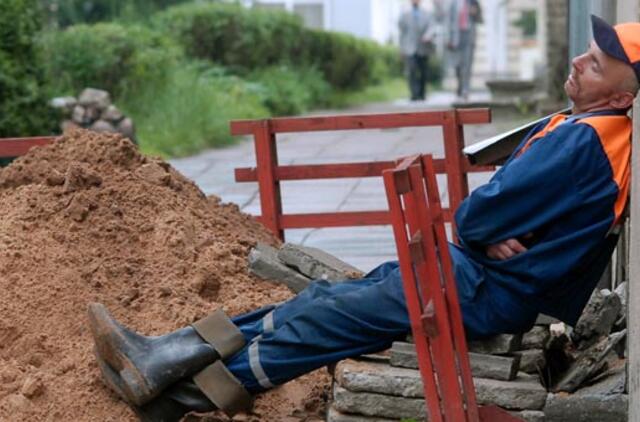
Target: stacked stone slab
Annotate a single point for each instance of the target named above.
(296, 266)
(93, 110)
(584, 382)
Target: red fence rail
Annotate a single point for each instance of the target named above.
(15, 147)
(268, 173)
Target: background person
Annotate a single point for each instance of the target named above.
(416, 43)
(463, 17)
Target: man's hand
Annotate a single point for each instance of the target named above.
(505, 249)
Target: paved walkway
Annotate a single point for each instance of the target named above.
(364, 247)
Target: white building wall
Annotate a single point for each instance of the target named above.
(352, 16)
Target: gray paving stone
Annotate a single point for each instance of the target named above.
(334, 415)
(497, 345)
(531, 361)
(530, 415)
(598, 317)
(536, 338)
(378, 405)
(482, 366)
(316, 264)
(525, 394)
(586, 408)
(264, 263)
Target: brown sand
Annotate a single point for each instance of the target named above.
(90, 219)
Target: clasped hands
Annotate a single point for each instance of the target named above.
(507, 248)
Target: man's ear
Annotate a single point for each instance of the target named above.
(621, 100)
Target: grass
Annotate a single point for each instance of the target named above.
(392, 89)
(191, 111)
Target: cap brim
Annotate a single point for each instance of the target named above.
(607, 39)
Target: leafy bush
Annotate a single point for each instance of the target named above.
(23, 108)
(286, 91)
(107, 56)
(248, 39)
(192, 110)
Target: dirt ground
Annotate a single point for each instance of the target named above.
(90, 219)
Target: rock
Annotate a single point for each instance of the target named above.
(500, 344)
(589, 362)
(112, 114)
(334, 415)
(522, 393)
(530, 415)
(65, 104)
(531, 361)
(378, 405)
(536, 338)
(127, 129)
(545, 320)
(264, 263)
(378, 378)
(586, 408)
(316, 264)
(77, 116)
(482, 366)
(597, 318)
(154, 173)
(102, 126)
(32, 387)
(97, 98)
(67, 124)
(609, 383)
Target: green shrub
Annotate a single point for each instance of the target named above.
(107, 56)
(245, 40)
(192, 110)
(286, 91)
(23, 106)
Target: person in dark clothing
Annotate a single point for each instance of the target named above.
(534, 239)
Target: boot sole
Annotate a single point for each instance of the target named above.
(122, 376)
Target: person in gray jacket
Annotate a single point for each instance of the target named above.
(463, 17)
(416, 43)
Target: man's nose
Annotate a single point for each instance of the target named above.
(578, 62)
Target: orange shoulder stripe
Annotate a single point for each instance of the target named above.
(615, 137)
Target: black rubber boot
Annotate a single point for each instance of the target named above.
(140, 367)
(175, 402)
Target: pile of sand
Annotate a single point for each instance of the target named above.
(90, 219)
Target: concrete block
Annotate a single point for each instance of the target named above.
(334, 415)
(317, 264)
(586, 408)
(264, 263)
(482, 366)
(524, 394)
(378, 405)
(531, 361)
(497, 345)
(536, 338)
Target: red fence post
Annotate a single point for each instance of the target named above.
(267, 162)
(457, 184)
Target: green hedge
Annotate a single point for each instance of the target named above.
(108, 56)
(23, 105)
(249, 39)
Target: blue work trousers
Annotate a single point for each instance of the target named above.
(323, 324)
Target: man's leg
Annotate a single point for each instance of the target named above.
(327, 329)
(422, 77)
(412, 71)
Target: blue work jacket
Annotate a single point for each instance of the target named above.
(560, 193)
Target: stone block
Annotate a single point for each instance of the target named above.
(546, 320)
(598, 317)
(482, 366)
(334, 415)
(378, 405)
(531, 361)
(264, 263)
(530, 415)
(586, 408)
(316, 264)
(497, 345)
(589, 362)
(522, 394)
(97, 98)
(536, 338)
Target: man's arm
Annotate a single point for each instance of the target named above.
(533, 190)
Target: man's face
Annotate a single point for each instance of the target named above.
(594, 78)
